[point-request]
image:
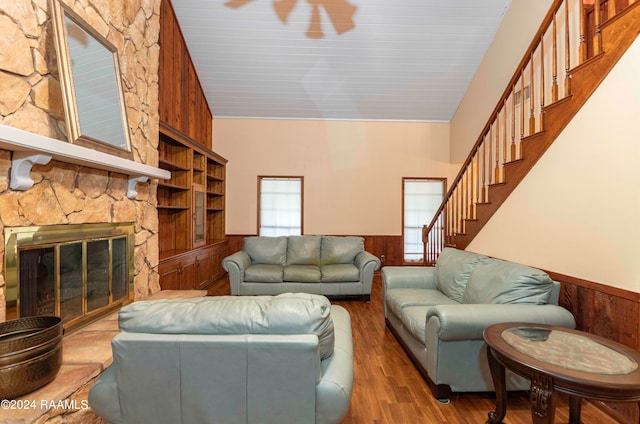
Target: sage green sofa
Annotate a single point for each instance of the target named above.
(333, 266)
(285, 359)
(439, 314)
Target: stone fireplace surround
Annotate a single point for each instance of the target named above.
(74, 192)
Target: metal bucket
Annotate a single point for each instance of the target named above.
(30, 354)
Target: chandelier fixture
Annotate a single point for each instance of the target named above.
(340, 13)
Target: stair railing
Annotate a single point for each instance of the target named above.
(569, 35)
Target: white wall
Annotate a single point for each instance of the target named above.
(576, 212)
(519, 24)
(352, 170)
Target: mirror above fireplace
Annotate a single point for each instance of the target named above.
(89, 71)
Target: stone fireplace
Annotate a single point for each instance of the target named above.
(77, 272)
(69, 192)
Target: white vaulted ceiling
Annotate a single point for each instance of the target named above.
(382, 60)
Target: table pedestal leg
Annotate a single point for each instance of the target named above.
(543, 403)
(575, 407)
(498, 377)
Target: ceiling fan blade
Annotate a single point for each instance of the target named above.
(315, 27)
(283, 8)
(237, 3)
(341, 14)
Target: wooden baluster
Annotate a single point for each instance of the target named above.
(463, 193)
(477, 159)
(532, 118)
(597, 37)
(504, 135)
(485, 197)
(491, 181)
(471, 186)
(542, 82)
(460, 208)
(521, 110)
(554, 83)
(456, 211)
(567, 50)
(497, 157)
(513, 123)
(612, 8)
(583, 33)
(449, 222)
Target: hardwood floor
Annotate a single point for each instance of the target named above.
(389, 389)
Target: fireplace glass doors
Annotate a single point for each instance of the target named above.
(71, 271)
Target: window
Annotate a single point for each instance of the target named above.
(421, 199)
(280, 206)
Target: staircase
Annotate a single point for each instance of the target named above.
(578, 43)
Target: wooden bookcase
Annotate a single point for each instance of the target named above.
(191, 210)
(191, 204)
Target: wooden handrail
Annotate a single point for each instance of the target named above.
(484, 167)
(549, 18)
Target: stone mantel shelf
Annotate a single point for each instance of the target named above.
(30, 148)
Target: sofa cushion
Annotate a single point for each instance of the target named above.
(264, 274)
(340, 273)
(287, 313)
(266, 250)
(303, 250)
(302, 273)
(340, 250)
(453, 269)
(498, 281)
(399, 299)
(414, 319)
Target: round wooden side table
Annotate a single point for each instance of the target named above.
(560, 359)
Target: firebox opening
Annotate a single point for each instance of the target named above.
(76, 272)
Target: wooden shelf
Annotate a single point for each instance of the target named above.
(169, 166)
(172, 186)
(175, 208)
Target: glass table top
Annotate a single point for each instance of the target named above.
(568, 350)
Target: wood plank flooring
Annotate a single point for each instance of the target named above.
(389, 389)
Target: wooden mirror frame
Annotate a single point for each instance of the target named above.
(116, 144)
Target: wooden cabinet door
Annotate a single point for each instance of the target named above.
(177, 274)
(203, 270)
(169, 275)
(219, 252)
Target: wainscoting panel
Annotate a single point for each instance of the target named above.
(608, 312)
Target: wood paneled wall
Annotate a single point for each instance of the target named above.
(183, 105)
(608, 312)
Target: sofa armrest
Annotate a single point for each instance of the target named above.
(468, 321)
(235, 266)
(103, 396)
(367, 264)
(364, 259)
(411, 277)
